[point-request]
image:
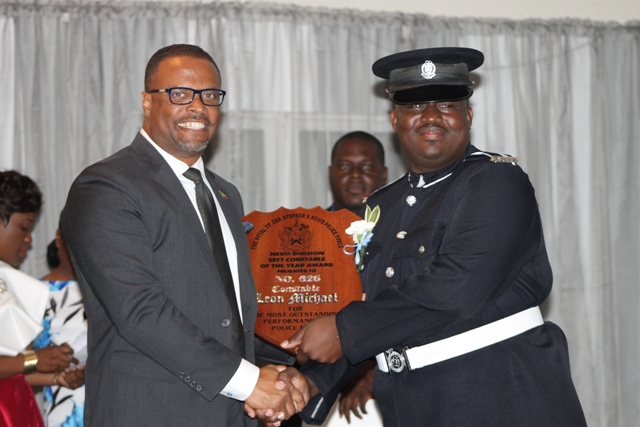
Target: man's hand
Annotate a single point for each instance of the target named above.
(271, 404)
(291, 376)
(294, 377)
(357, 393)
(317, 340)
(55, 358)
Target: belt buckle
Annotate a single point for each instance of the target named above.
(396, 361)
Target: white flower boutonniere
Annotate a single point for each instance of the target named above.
(362, 232)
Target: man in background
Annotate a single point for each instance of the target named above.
(357, 169)
(162, 260)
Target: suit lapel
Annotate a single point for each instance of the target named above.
(161, 172)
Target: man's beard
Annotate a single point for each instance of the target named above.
(193, 146)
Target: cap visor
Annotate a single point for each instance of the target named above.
(432, 93)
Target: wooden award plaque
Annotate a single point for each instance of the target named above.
(300, 268)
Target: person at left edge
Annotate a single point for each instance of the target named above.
(160, 320)
(22, 304)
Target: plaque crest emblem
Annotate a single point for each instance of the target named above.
(296, 237)
(428, 70)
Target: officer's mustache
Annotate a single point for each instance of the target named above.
(431, 125)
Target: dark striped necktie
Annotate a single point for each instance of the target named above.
(211, 220)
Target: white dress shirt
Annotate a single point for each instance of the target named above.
(245, 379)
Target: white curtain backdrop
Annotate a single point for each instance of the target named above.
(563, 96)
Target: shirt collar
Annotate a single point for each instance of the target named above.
(428, 179)
(178, 166)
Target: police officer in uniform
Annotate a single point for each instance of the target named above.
(453, 276)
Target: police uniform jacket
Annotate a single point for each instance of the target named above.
(454, 250)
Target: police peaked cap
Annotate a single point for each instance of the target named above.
(429, 75)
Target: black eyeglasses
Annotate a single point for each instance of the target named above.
(184, 95)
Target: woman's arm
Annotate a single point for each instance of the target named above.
(71, 378)
(49, 360)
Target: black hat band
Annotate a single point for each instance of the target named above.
(429, 73)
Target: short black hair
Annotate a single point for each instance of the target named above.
(170, 52)
(359, 134)
(18, 193)
(53, 257)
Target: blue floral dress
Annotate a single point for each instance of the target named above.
(64, 321)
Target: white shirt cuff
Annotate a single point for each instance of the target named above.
(241, 385)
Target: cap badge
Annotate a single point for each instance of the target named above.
(428, 70)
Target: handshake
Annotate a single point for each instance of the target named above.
(281, 392)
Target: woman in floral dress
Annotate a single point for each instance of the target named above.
(64, 321)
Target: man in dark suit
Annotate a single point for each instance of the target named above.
(453, 276)
(162, 260)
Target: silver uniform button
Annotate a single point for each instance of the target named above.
(421, 249)
(411, 200)
(401, 234)
(389, 272)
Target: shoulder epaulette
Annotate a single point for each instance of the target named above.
(503, 159)
(495, 158)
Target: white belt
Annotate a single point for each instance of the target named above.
(457, 345)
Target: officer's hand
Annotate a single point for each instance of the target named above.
(318, 340)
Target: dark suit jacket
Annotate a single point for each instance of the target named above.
(158, 314)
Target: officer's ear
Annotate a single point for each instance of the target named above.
(393, 118)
